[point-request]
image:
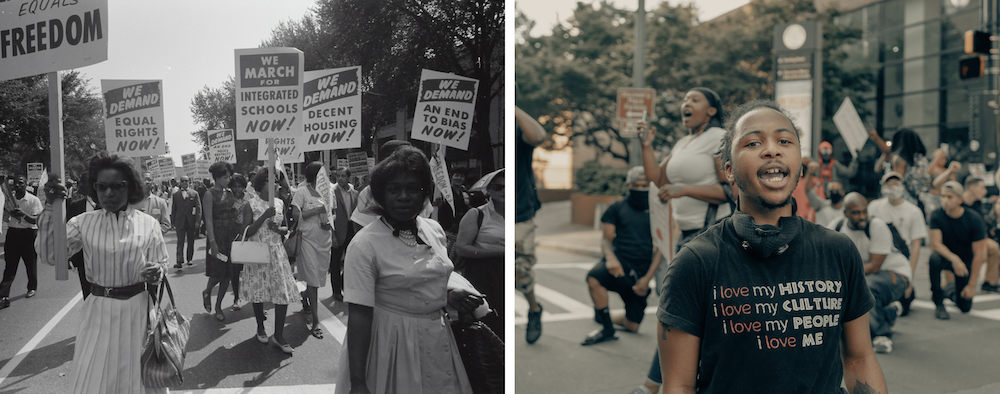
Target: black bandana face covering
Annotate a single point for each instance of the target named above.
(765, 240)
(638, 199)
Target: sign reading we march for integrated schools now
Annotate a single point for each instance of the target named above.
(222, 146)
(446, 105)
(133, 123)
(332, 105)
(40, 36)
(268, 93)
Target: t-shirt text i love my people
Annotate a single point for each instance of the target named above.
(766, 325)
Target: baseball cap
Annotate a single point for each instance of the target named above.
(633, 175)
(890, 175)
(954, 186)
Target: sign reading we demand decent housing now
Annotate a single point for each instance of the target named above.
(445, 107)
(269, 98)
(40, 36)
(133, 123)
(332, 106)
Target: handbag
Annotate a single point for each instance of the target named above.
(482, 356)
(250, 252)
(292, 245)
(164, 348)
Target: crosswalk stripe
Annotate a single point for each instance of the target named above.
(555, 266)
(303, 389)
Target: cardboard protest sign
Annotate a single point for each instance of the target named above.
(38, 37)
(222, 146)
(358, 163)
(133, 117)
(662, 224)
(202, 169)
(152, 168)
(190, 164)
(268, 93)
(165, 169)
(849, 123)
(287, 149)
(446, 104)
(332, 106)
(439, 171)
(35, 172)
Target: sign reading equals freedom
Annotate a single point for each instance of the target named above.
(446, 105)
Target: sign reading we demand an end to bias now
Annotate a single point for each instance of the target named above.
(332, 105)
(41, 36)
(446, 104)
(133, 123)
(268, 93)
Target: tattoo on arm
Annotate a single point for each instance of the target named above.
(863, 388)
(666, 329)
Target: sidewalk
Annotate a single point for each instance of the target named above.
(554, 231)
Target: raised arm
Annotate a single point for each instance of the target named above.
(533, 132)
(655, 172)
(946, 175)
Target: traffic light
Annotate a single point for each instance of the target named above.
(977, 42)
(972, 67)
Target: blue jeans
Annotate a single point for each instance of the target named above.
(886, 287)
(655, 373)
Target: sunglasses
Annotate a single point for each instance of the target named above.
(496, 187)
(117, 186)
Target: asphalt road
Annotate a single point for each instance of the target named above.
(929, 355)
(37, 338)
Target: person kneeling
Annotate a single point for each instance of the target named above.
(629, 261)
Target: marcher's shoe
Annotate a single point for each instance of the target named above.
(949, 291)
(906, 301)
(898, 306)
(178, 265)
(882, 344)
(31, 293)
(189, 264)
(641, 390)
(4, 302)
(940, 313)
(991, 288)
(598, 336)
(534, 325)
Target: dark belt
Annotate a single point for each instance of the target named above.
(121, 293)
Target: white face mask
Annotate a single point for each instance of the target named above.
(892, 192)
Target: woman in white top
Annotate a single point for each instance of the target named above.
(124, 251)
(690, 178)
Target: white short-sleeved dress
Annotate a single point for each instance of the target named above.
(106, 357)
(412, 348)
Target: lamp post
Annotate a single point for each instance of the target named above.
(638, 75)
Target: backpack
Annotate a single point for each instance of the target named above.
(897, 240)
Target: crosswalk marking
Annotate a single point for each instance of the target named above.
(301, 389)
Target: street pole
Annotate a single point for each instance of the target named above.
(638, 75)
(56, 151)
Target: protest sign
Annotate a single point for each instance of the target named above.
(850, 126)
(165, 169)
(343, 163)
(133, 117)
(331, 104)
(286, 148)
(38, 37)
(371, 164)
(34, 172)
(152, 168)
(446, 104)
(202, 169)
(358, 163)
(190, 164)
(268, 93)
(439, 171)
(662, 224)
(222, 146)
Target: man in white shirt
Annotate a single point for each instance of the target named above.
(907, 218)
(153, 205)
(887, 270)
(20, 244)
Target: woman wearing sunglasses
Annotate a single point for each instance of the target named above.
(124, 251)
(480, 242)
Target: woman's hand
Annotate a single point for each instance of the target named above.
(268, 213)
(213, 248)
(152, 272)
(812, 167)
(954, 167)
(54, 189)
(464, 302)
(650, 134)
(671, 191)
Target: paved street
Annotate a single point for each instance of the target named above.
(929, 355)
(36, 345)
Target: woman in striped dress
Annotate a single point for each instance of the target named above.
(124, 251)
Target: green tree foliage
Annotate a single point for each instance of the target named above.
(24, 122)
(215, 109)
(568, 79)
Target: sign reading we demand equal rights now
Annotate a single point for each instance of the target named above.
(42, 36)
(332, 106)
(133, 123)
(445, 107)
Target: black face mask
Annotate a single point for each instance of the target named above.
(638, 199)
(834, 196)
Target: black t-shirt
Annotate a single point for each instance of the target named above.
(633, 241)
(958, 234)
(766, 325)
(525, 192)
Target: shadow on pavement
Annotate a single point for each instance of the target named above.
(40, 360)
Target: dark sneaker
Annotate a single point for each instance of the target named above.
(906, 301)
(949, 291)
(940, 313)
(598, 336)
(189, 264)
(31, 293)
(991, 288)
(534, 325)
(178, 266)
(4, 302)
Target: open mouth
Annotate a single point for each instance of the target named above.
(686, 113)
(773, 176)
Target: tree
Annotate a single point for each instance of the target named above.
(24, 122)
(215, 109)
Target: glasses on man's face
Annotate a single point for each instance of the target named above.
(497, 187)
(116, 186)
